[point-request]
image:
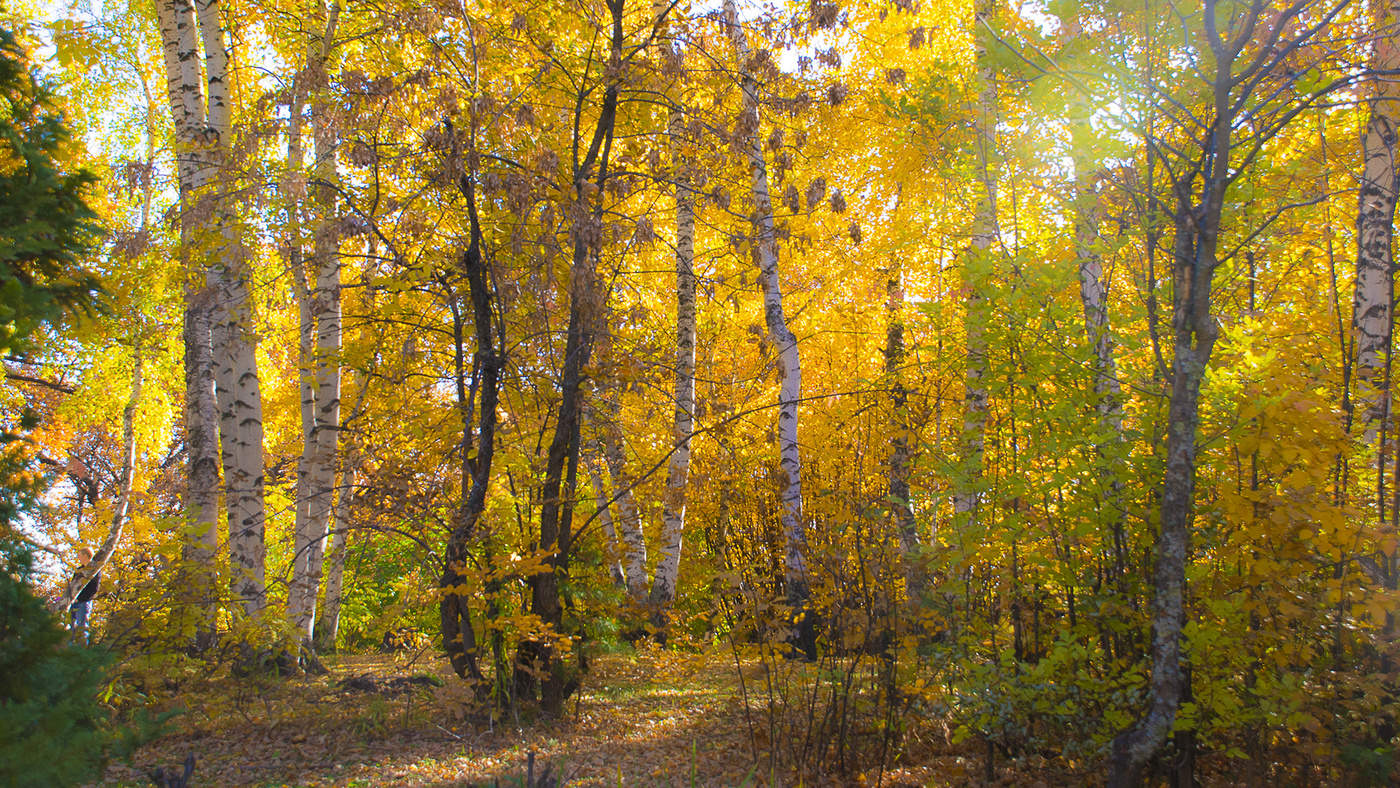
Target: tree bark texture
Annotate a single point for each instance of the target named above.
(1199, 197)
(338, 540)
(603, 507)
(337, 545)
(201, 114)
(233, 337)
(1373, 302)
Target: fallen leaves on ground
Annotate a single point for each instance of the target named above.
(650, 718)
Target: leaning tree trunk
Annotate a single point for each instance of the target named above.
(185, 94)
(105, 550)
(765, 251)
(603, 508)
(607, 415)
(968, 495)
(663, 586)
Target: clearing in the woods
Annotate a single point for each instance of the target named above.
(656, 718)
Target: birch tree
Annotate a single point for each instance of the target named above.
(1373, 303)
(185, 95)
(337, 546)
(765, 252)
(202, 116)
(338, 538)
(1373, 312)
(663, 585)
(602, 503)
(627, 522)
(233, 334)
(1093, 297)
(967, 496)
(320, 323)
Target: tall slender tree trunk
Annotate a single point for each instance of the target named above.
(1373, 312)
(185, 94)
(201, 544)
(295, 193)
(338, 540)
(321, 316)
(337, 545)
(1372, 316)
(1199, 203)
(1093, 295)
(477, 407)
(968, 495)
(589, 182)
(765, 252)
(663, 586)
(237, 389)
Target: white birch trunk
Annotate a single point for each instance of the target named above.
(765, 250)
(236, 373)
(327, 306)
(185, 95)
(104, 551)
(967, 497)
(1372, 315)
(323, 311)
(338, 539)
(663, 586)
(337, 544)
(294, 188)
(628, 521)
(604, 515)
(1108, 393)
(1093, 296)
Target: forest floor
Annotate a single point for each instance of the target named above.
(650, 718)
